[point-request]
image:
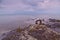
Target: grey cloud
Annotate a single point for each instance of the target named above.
(0, 1)
(32, 2)
(26, 4)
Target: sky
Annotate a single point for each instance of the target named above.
(29, 7)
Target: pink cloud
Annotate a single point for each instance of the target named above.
(28, 5)
(16, 5)
(47, 4)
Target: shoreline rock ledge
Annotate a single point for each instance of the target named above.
(32, 32)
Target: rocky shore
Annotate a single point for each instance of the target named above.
(33, 32)
(38, 31)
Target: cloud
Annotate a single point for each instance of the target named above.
(29, 5)
(15, 5)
